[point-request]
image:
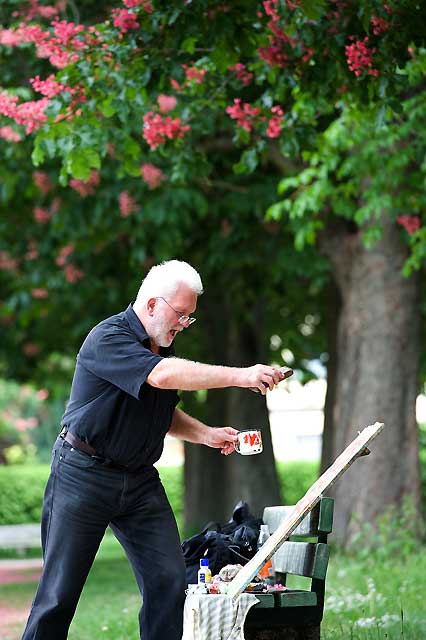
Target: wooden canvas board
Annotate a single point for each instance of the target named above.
(354, 450)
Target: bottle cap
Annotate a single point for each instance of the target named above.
(204, 562)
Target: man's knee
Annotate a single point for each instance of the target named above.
(172, 576)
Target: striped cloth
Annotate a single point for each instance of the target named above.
(216, 617)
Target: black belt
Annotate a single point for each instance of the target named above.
(86, 448)
(77, 443)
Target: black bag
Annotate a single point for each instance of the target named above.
(232, 543)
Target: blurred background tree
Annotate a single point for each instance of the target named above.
(164, 131)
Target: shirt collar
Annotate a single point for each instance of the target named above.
(139, 330)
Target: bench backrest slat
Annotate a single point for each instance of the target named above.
(318, 521)
(306, 559)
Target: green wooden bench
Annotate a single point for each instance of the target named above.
(295, 614)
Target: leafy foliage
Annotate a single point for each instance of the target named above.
(166, 133)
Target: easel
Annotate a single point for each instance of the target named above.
(357, 448)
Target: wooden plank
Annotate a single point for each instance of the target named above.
(266, 600)
(295, 599)
(308, 559)
(317, 521)
(325, 522)
(305, 504)
(274, 516)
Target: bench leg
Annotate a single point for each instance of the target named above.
(307, 632)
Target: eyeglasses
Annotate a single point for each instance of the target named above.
(185, 321)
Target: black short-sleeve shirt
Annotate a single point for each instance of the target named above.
(111, 405)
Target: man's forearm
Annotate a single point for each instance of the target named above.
(177, 373)
(187, 428)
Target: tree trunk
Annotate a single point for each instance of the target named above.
(333, 308)
(376, 374)
(215, 483)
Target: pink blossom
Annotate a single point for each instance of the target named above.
(244, 114)
(270, 10)
(30, 114)
(143, 4)
(63, 254)
(379, 25)
(274, 124)
(42, 394)
(22, 424)
(32, 252)
(55, 206)
(61, 47)
(124, 20)
(41, 215)
(30, 349)
(360, 57)
(410, 223)
(166, 103)
(8, 105)
(152, 175)
(9, 134)
(194, 74)
(66, 32)
(176, 86)
(39, 294)
(242, 74)
(72, 274)
(49, 87)
(158, 128)
(273, 55)
(7, 263)
(46, 11)
(42, 181)
(87, 188)
(127, 204)
(9, 37)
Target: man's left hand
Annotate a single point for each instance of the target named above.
(223, 438)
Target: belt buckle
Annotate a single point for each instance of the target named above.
(63, 432)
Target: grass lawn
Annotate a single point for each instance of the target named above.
(364, 599)
(372, 600)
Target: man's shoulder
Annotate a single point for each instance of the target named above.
(113, 325)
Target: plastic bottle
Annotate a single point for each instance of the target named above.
(267, 571)
(204, 573)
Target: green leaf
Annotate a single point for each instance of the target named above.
(247, 163)
(107, 108)
(80, 161)
(132, 149)
(189, 45)
(37, 155)
(313, 9)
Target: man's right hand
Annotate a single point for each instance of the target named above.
(261, 377)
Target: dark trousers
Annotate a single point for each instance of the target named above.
(82, 498)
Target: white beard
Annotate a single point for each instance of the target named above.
(159, 333)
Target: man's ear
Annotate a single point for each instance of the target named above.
(150, 305)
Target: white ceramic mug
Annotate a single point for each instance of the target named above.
(249, 442)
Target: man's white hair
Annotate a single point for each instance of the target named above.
(163, 280)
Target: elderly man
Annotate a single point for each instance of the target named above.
(122, 403)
